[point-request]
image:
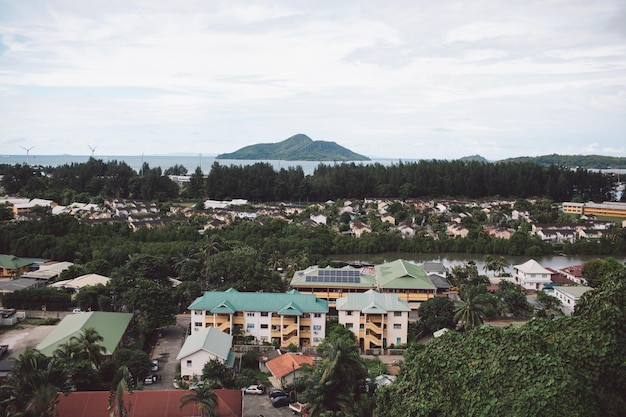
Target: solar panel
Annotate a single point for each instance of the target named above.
(336, 276)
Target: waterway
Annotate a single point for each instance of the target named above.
(452, 259)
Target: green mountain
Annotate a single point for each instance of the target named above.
(296, 148)
(574, 161)
(474, 158)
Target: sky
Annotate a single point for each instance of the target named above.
(405, 79)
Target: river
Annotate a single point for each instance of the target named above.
(451, 259)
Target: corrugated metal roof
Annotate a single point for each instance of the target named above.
(208, 339)
(111, 326)
(293, 301)
(403, 274)
(372, 302)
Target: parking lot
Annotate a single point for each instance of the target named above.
(255, 405)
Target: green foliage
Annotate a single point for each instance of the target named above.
(437, 313)
(218, 374)
(37, 298)
(522, 371)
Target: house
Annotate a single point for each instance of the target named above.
(457, 230)
(78, 283)
(203, 346)
(278, 318)
(12, 266)
(401, 277)
(146, 404)
(574, 273)
(286, 367)
(569, 296)
(358, 228)
(406, 230)
(111, 326)
(377, 320)
(531, 275)
(318, 218)
(20, 284)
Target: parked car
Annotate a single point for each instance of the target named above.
(254, 389)
(196, 385)
(149, 379)
(155, 365)
(281, 401)
(277, 392)
(77, 311)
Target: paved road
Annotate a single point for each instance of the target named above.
(166, 349)
(255, 405)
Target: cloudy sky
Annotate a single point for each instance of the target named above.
(403, 79)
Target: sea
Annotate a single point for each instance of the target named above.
(191, 162)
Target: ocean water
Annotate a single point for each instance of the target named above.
(191, 162)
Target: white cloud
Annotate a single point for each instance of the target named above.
(388, 79)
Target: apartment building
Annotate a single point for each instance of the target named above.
(278, 318)
(377, 320)
(403, 278)
(609, 209)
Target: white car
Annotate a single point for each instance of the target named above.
(77, 311)
(155, 365)
(254, 389)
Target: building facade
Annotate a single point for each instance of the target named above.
(278, 318)
(531, 275)
(377, 320)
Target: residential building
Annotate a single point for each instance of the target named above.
(569, 296)
(531, 275)
(377, 320)
(278, 318)
(286, 367)
(608, 209)
(574, 273)
(203, 346)
(78, 283)
(401, 277)
(111, 326)
(12, 266)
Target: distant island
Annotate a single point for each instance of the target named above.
(574, 161)
(299, 147)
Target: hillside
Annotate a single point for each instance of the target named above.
(574, 161)
(296, 148)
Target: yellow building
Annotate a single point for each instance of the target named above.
(606, 209)
(279, 318)
(405, 279)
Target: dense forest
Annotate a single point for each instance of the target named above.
(575, 161)
(261, 183)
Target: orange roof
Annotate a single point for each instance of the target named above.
(146, 404)
(287, 363)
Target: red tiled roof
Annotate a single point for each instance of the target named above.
(558, 278)
(146, 404)
(574, 270)
(287, 363)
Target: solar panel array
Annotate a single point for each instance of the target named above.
(335, 275)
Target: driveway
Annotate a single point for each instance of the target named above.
(166, 349)
(23, 336)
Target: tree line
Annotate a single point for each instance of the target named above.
(261, 182)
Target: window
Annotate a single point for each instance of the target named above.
(197, 312)
(250, 326)
(397, 326)
(348, 313)
(264, 326)
(317, 327)
(349, 325)
(397, 313)
(188, 362)
(198, 324)
(361, 326)
(250, 314)
(264, 313)
(318, 315)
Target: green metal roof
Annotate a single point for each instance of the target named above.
(404, 275)
(111, 326)
(311, 278)
(13, 262)
(292, 303)
(372, 302)
(210, 340)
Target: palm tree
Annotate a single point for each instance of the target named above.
(34, 383)
(489, 264)
(89, 342)
(204, 397)
(500, 265)
(470, 314)
(116, 396)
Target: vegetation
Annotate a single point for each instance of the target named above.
(575, 161)
(522, 371)
(296, 148)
